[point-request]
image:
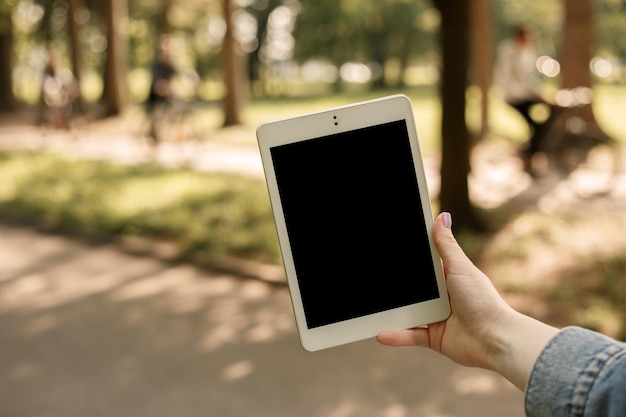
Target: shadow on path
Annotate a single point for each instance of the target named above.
(93, 331)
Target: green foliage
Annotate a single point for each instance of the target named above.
(544, 17)
(210, 214)
(611, 33)
(393, 33)
(364, 31)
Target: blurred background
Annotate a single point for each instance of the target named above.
(133, 122)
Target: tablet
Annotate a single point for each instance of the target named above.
(354, 221)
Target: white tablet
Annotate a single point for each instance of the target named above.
(354, 221)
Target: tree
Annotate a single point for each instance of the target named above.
(232, 69)
(163, 26)
(75, 49)
(7, 101)
(482, 57)
(455, 139)
(577, 51)
(115, 92)
(261, 11)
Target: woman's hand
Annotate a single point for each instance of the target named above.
(482, 329)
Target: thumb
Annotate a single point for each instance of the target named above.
(453, 257)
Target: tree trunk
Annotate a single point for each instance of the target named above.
(455, 142)
(232, 70)
(7, 100)
(577, 47)
(115, 94)
(76, 53)
(482, 59)
(164, 26)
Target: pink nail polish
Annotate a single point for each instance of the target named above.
(447, 220)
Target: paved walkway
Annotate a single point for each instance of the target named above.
(91, 331)
(497, 177)
(115, 140)
(94, 331)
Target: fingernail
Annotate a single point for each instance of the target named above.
(447, 220)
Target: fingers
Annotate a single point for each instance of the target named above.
(409, 337)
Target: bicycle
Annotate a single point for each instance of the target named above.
(582, 151)
(574, 152)
(171, 122)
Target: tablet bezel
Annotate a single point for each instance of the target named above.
(337, 120)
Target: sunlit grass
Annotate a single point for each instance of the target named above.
(609, 104)
(199, 212)
(568, 265)
(207, 117)
(609, 107)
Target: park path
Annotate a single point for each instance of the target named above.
(88, 329)
(497, 177)
(116, 140)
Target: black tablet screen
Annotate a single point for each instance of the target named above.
(355, 223)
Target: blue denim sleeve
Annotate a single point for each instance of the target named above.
(579, 373)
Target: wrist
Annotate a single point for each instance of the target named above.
(515, 344)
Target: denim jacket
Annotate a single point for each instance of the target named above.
(579, 373)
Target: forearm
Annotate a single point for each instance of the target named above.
(514, 346)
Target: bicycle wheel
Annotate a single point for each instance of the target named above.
(587, 158)
(598, 172)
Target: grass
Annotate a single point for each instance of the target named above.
(198, 212)
(609, 102)
(207, 118)
(566, 267)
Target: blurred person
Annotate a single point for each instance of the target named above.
(516, 75)
(160, 96)
(566, 372)
(58, 93)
